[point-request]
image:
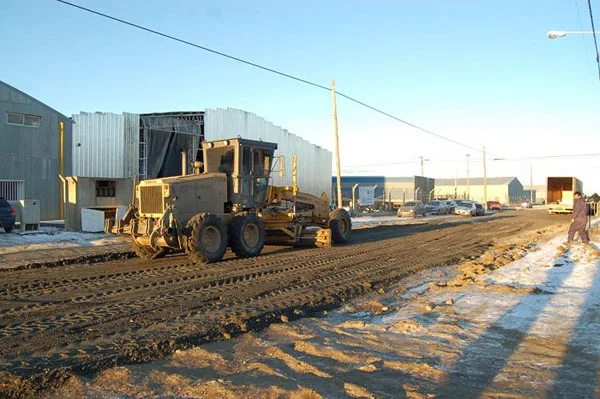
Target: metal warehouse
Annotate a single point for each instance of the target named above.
(506, 190)
(108, 145)
(389, 190)
(539, 193)
(32, 136)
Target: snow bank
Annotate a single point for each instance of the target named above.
(52, 237)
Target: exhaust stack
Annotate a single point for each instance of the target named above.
(183, 161)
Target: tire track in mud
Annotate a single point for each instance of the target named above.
(229, 270)
(145, 313)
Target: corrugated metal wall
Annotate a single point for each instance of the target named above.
(314, 162)
(31, 153)
(105, 145)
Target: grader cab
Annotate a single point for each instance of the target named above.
(227, 202)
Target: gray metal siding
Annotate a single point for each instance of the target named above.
(516, 193)
(33, 154)
(314, 162)
(105, 145)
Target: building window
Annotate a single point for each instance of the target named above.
(23, 120)
(12, 190)
(105, 188)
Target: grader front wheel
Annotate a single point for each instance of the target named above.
(247, 236)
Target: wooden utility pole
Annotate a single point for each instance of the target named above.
(484, 181)
(531, 185)
(337, 147)
(422, 167)
(468, 176)
(455, 184)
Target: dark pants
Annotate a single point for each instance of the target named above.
(578, 226)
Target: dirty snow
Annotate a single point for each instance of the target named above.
(51, 238)
(380, 220)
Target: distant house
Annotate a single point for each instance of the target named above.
(506, 190)
(539, 193)
(30, 154)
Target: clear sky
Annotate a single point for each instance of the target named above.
(481, 72)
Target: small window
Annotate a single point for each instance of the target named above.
(15, 119)
(106, 188)
(23, 120)
(32, 120)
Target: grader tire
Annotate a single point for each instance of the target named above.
(246, 236)
(340, 225)
(145, 252)
(208, 241)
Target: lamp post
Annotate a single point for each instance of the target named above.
(423, 160)
(554, 34)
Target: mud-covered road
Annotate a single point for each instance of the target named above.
(85, 317)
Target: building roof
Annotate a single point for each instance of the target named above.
(538, 187)
(475, 181)
(2, 83)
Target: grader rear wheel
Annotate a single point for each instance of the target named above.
(208, 241)
(340, 225)
(247, 236)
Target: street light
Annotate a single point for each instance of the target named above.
(553, 34)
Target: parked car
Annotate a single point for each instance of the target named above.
(412, 208)
(479, 211)
(494, 205)
(451, 205)
(437, 207)
(7, 215)
(465, 208)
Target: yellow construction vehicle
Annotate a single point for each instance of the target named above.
(227, 202)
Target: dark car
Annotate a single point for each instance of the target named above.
(479, 211)
(494, 205)
(436, 207)
(7, 216)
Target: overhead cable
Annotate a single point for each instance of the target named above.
(271, 70)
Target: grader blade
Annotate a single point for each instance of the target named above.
(320, 238)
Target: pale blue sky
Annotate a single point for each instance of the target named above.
(481, 72)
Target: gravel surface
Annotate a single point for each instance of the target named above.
(82, 318)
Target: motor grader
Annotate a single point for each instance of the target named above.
(227, 202)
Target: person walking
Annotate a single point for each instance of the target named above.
(579, 219)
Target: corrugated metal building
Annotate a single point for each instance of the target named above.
(506, 190)
(105, 145)
(540, 193)
(30, 150)
(396, 190)
(314, 162)
(108, 145)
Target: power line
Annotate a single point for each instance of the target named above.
(476, 160)
(264, 68)
(565, 156)
(583, 41)
(594, 35)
